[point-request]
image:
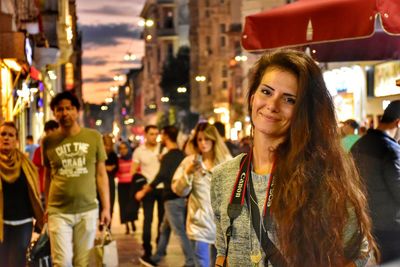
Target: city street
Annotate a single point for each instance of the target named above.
(130, 246)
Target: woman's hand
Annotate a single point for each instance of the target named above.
(219, 262)
(194, 166)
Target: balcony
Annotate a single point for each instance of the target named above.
(166, 32)
(165, 1)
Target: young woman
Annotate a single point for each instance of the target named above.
(296, 198)
(125, 199)
(20, 200)
(194, 176)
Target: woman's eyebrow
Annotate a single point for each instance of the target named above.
(285, 94)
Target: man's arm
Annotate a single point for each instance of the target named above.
(47, 181)
(104, 192)
(134, 167)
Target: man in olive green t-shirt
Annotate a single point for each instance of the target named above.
(74, 160)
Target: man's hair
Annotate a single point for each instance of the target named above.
(10, 124)
(50, 125)
(172, 132)
(65, 95)
(220, 128)
(352, 123)
(29, 137)
(392, 112)
(148, 127)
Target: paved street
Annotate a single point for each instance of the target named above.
(130, 248)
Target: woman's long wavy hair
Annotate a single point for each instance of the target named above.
(220, 150)
(316, 181)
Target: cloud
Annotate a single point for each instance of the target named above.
(110, 10)
(102, 79)
(94, 61)
(108, 34)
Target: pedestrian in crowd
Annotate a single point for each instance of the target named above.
(193, 179)
(350, 135)
(245, 144)
(175, 206)
(377, 155)
(74, 159)
(296, 198)
(127, 213)
(49, 127)
(30, 146)
(19, 199)
(146, 157)
(111, 168)
(233, 148)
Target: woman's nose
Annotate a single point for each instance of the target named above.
(273, 104)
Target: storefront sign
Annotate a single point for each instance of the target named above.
(385, 76)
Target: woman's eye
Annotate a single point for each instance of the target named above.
(266, 91)
(290, 100)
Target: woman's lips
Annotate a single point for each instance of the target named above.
(270, 118)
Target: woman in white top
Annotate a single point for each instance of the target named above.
(193, 177)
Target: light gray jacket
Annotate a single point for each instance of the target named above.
(223, 180)
(200, 224)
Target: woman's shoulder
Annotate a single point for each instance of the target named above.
(228, 166)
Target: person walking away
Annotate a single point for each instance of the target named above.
(296, 198)
(146, 157)
(349, 130)
(193, 179)
(126, 210)
(377, 156)
(111, 168)
(30, 146)
(20, 200)
(175, 206)
(49, 127)
(74, 159)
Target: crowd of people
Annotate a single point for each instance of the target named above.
(300, 191)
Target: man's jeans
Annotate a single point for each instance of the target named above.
(204, 253)
(148, 207)
(71, 237)
(175, 219)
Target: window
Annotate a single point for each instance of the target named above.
(224, 84)
(223, 41)
(222, 28)
(208, 40)
(224, 71)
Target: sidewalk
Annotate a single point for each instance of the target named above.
(130, 246)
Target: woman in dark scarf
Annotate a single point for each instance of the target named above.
(126, 201)
(19, 199)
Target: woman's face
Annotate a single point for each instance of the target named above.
(123, 149)
(108, 144)
(8, 139)
(273, 103)
(203, 143)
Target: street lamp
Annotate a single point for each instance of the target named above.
(200, 78)
(239, 58)
(165, 99)
(181, 90)
(114, 89)
(146, 23)
(130, 57)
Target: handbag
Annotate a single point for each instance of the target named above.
(105, 252)
(38, 253)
